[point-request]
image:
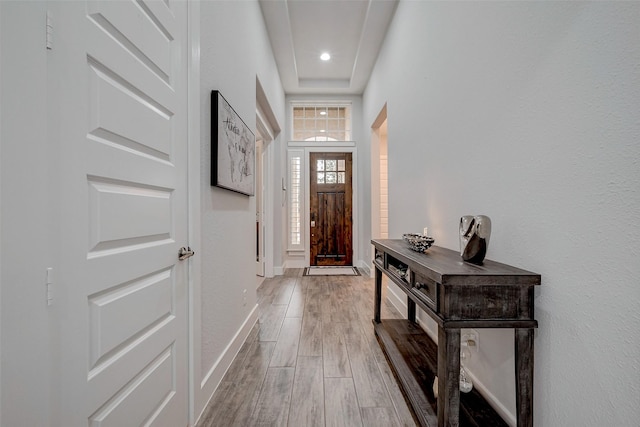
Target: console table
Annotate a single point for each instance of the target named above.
(456, 295)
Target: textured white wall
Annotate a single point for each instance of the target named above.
(528, 112)
(234, 50)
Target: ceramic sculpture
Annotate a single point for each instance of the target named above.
(474, 237)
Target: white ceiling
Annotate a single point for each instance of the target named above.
(351, 31)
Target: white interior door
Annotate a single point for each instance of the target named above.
(119, 71)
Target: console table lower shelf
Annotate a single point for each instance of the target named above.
(413, 358)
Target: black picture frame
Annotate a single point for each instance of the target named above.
(233, 148)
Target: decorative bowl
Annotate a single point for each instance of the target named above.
(418, 242)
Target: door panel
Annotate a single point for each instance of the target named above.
(122, 93)
(330, 209)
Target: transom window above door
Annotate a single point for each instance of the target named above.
(321, 122)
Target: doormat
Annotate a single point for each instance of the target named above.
(331, 271)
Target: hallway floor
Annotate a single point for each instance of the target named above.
(311, 360)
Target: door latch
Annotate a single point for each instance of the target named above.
(185, 253)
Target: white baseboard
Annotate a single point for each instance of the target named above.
(278, 271)
(506, 415)
(366, 268)
(212, 379)
(400, 303)
(295, 263)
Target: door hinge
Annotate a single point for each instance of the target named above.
(49, 286)
(49, 28)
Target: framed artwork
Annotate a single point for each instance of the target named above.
(233, 148)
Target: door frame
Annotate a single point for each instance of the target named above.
(260, 228)
(268, 123)
(329, 147)
(197, 397)
(322, 226)
(377, 142)
(264, 127)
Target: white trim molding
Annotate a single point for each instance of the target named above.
(267, 122)
(194, 345)
(324, 147)
(264, 127)
(213, 377)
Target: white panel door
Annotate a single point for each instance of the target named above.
(119, 91)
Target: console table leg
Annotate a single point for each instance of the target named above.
(411, 310)
(448, 377)
(524, 376)
(377, 296)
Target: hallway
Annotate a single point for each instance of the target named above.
(312, 360)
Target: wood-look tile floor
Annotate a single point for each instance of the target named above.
(311, 360)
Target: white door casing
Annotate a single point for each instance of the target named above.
(121, 86)
(306, 147)
(265, 131)
(260, 194)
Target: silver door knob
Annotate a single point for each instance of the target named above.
(185, 253)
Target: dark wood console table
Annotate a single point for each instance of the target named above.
(456, 295)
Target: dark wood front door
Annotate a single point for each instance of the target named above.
(331, 201)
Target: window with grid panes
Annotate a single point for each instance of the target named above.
(330, 171)
(322, 122)
(295, 205)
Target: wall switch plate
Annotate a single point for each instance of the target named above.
(470, 337)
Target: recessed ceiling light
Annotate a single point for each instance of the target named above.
(325, 56)
(323, 113)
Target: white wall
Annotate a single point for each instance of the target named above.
(234, 50)
(528, 112)
(26, 216)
